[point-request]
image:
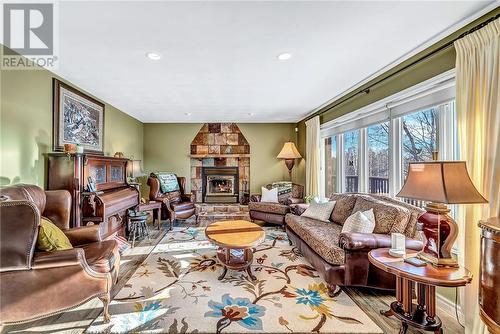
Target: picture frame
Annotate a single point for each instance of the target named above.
(77, 119)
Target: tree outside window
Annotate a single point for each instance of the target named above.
(420, 133)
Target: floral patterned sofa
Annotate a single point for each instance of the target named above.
(342, 258)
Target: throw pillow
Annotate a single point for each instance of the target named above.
(360, 222)
(269, 195)
(168, 182)
(51, 238)
(319, 211)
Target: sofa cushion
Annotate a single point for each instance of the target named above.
(416, 212)
(269, 207)
(343, 207)
(101, 256)
(320, 236)
(389, 218)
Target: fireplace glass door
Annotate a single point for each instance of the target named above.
(220, 185)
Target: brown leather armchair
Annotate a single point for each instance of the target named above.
(35, 284)
(176, 204)
(274, 213)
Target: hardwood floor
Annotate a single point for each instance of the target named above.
(371, 301)
(76, 321)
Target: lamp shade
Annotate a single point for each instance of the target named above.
(136, 168)
(440, 182)
(289, 151)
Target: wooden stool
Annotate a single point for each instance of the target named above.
(137, 225)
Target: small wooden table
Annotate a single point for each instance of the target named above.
(421, 315)
(235, 239)
(152, 206)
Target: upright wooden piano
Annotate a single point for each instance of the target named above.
(108, 203)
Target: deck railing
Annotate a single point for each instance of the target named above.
(377, 185)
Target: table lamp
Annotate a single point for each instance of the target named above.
(289, 152)
(135, 170)
(439, 183)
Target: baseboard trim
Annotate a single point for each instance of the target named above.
(447, 306)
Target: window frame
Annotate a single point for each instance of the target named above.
(437, 91)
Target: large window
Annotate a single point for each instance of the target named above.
(330, 165)
(419, 137)
(369, 150)
(351, 163)
(378, 158)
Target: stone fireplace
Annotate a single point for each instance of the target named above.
(220, 164)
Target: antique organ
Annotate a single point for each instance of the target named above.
(107, 202)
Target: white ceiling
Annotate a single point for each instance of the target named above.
(220, 58)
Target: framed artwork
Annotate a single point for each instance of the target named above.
(77, 119)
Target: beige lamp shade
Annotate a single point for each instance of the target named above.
(289, 151)
(440, 182)
(136, 169)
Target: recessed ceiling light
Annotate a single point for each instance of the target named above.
(251, 114)
(284, 56)
(187, 113)
(153, 55)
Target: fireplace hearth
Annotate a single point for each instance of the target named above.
(220, 185)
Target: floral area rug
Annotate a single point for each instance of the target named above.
(176, 290)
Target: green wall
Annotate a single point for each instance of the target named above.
(167, 145)
(26, 126)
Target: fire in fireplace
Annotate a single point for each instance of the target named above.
(220, 184)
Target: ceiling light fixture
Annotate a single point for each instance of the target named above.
(284, 56)
(187, 114)
(153, 55)
(251, 114)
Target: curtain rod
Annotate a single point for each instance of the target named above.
(413, 63)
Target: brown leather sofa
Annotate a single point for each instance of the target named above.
(274, 213)
(176, 204)
(35, 284)
(342, 258)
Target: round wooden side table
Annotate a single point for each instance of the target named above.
(235, 240)
(421, 315)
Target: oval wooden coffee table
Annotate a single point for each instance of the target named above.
(235, 240)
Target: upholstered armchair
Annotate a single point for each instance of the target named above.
(175, 204)
(35, 284)
(274, 213)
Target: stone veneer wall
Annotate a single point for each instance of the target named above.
(220, 138)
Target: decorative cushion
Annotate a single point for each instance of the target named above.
(360, 222)
(322, 237)
(269, 195)
(343, 207)
(168, 182)
(51, 238)
(389, 218)
(284, 187)
(319, 211)
(269, 207)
